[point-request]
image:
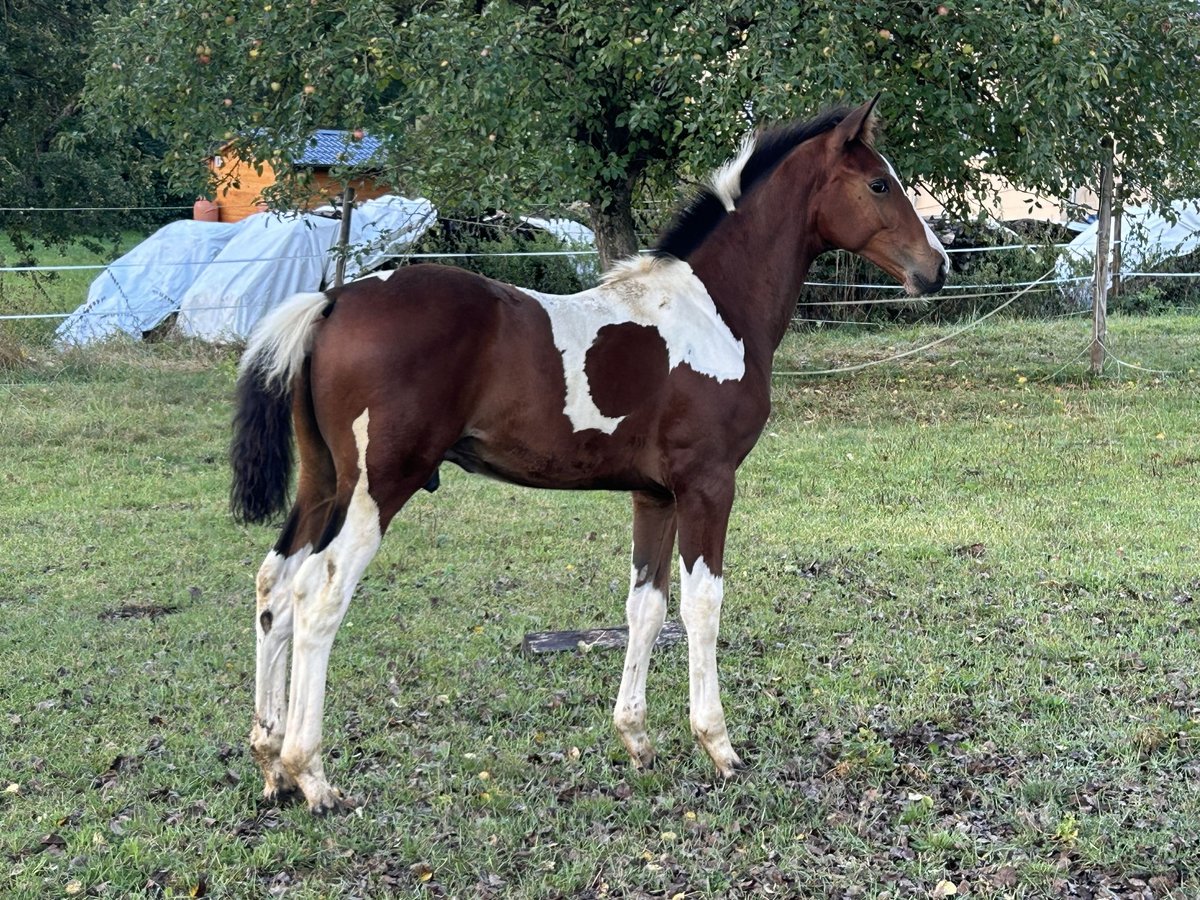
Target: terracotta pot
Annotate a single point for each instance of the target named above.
(206, 211)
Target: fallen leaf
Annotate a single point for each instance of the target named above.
(1006, 876)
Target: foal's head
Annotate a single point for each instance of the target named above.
(863, 208)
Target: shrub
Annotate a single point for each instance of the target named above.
(991, 271)
(499, 235)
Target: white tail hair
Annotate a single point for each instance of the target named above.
(282, 339)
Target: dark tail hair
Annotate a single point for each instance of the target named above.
(261, 452)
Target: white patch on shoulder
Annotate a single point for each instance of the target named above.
(726, 182)
(663, 294)
(929, 235)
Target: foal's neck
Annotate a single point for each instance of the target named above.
(754, 264)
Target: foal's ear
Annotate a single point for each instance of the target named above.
(859, 125)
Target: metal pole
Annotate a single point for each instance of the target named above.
(1118, 210)
(344, 237)
(1100, 287)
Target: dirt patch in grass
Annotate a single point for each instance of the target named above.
(137, 611)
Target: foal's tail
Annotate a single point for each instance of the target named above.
(261, 452)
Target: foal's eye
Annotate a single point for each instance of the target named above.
(879, 186)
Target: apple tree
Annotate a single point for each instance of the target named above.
(522, 104)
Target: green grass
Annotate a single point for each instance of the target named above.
(959, 645)
(52, 292)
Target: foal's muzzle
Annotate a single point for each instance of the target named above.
(925, 285)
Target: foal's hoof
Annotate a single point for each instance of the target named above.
(644, 762)
(642, 755)
(282, 796)
(333, 802)
(732, 768)
(728, 764)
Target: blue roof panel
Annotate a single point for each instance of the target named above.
(329, 147)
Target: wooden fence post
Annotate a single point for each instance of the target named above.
(344, 236)
(1100, 286)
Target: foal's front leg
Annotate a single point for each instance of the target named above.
(703, 519)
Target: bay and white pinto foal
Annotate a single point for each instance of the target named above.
(655, 382)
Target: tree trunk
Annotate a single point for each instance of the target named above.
(612, 221)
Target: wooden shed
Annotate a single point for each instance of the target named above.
(239, 186)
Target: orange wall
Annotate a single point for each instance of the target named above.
(237, 202)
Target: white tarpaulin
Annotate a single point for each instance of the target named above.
(145, 285)
(222, 278)
(1147, 238)
(385, 228)
(270, 259)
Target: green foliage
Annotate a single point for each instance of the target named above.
(46, 160)
(266, 76)
(1157, 295)
(511, 105)
(549, 274)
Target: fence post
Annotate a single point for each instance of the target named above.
(1100, 286)
(339, 274)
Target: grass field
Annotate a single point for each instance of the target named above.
(52, 292)
(959, 649)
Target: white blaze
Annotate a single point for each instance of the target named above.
(663, 294)
(929, 235)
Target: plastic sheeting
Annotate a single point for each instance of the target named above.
(383, 229)
(272, 258)
(1147, 238)
(222, 278)
(145, 285)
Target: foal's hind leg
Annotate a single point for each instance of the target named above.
(323, 589)
(273, 630)
(645, 610)
(273, 617)
(322, 592)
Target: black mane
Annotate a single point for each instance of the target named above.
(704, 211)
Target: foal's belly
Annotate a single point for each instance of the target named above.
(595, 462)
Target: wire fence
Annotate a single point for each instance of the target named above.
(117, 265)
(821, 305)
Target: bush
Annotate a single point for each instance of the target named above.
(499, 235)
(1151, 295)
(990, 271)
